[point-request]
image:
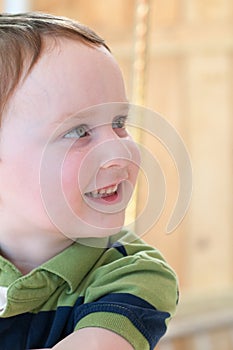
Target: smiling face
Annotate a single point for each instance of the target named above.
(67, 162)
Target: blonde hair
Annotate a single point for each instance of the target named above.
(22, 37)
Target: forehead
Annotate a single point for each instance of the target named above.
(68, 78)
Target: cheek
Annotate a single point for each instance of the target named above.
(20, 188)
(70, 177)
(135, 162)
(21, 175)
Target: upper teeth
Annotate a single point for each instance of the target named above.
(102, 192)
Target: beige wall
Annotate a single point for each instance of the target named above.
(190, 82)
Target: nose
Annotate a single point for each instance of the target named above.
(115, 161)
(111, 160)
(113, 150)
(115, 153)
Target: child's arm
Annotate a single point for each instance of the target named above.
(93, 339)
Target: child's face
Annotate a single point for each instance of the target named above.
(62, 170)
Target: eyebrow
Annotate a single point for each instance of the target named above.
(92, 112)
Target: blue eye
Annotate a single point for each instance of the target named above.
(119, 126)
(119, 122)
(78, 132)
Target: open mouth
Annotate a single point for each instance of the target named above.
(106, 193)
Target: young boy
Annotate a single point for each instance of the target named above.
(67, 170)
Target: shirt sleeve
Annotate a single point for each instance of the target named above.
(132, 292)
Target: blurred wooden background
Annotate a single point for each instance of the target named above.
(189, 80)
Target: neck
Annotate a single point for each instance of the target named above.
(29, 252)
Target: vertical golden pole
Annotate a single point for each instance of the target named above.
(140, 51)
(142, 13)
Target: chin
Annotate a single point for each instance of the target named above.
(97, 238)
(90, 230)
(101, 232)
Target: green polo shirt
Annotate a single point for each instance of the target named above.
(127, 288)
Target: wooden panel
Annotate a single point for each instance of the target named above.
(112, 18)
(208, 10)
(209, 115)
(204, 323)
